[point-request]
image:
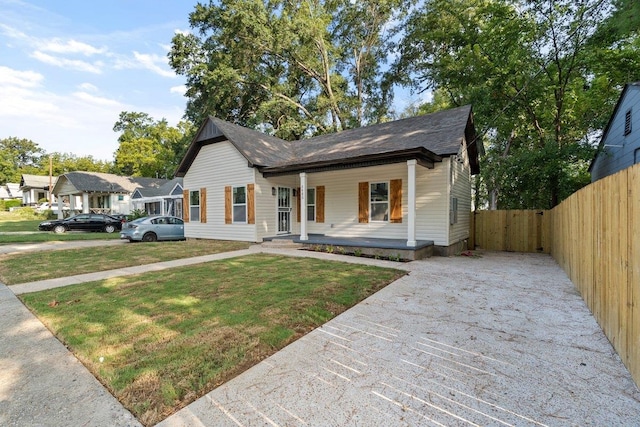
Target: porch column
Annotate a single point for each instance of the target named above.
(85, 202)
(411, 211)
(303, 206)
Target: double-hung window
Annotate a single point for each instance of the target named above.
(311, 204)
(194, 205)
(379, 201)
(239, 204)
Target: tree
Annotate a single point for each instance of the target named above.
(147, 147)
(68, 162)
(16, 156)
(526, 66)
(291, 68)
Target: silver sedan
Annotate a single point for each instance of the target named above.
(153, 228)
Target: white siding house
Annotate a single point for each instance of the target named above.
(406, 182)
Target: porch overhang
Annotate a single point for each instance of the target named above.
(423, 157)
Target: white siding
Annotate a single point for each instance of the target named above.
(267, 204)
(432, 203)
(461, 189)
(216, 166)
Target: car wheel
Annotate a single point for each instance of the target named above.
(59, 229)
(149, 237)
(109, 228)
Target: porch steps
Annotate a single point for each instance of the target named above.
(282, 244)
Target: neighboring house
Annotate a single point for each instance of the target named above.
(35, 188)
(163, 200)
(10, 191)
(619, 146)
(407, 180)
(94, 192)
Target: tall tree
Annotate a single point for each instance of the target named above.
(148, 147)
(526, 67)
(17, 155)
(292, 68)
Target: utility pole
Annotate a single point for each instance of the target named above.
(50, 181)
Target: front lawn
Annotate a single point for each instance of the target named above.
(32, 266)
(13, 225)
(160, 340)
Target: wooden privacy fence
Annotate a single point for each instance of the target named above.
(512, 230)
(594, 235)
(596, 240)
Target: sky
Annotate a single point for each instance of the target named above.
(68, 68)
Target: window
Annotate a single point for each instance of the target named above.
(627, 123)
(239, 204)
(311, 204)
(379, 200)
(194, 205)
(453, 215)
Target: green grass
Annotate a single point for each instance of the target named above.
(32, 266)
(19, 225)
(167, 338)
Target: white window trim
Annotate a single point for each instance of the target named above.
(388, 202)
(314, 204)
(234, 204)
(193, 206)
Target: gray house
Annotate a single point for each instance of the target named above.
(619, 147)
(94, 192)
(163, 200)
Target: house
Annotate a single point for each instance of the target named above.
(10, 191)
(163, 200)
(619, 146)
(35, 188)
(95, 192)
(403, 185)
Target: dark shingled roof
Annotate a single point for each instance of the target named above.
(90, 182)
(162, 190)
(428, 137)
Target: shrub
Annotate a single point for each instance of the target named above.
(136, 213)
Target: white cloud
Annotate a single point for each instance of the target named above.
(70, 64)
(152, 63)
(96, 100)
(57, 45)
(88, 87)
(181, 90)
(182, 32)
(11, 77)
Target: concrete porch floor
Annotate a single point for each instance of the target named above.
(366, 245)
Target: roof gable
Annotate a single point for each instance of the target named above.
(616, 110)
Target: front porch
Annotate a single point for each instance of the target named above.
(367, 246)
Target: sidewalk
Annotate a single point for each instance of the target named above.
(501, 339)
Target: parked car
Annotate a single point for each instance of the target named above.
(153, 228)
(82, 222)
(45, 207)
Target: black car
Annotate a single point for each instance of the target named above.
(83, 222)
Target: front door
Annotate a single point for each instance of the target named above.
(284, 210)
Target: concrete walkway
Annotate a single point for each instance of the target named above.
(499, 340)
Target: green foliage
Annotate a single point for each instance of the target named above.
(149, 148)
(5, 205)
(541, 85)
(17, 156)
(137, 213)
(290, 68)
